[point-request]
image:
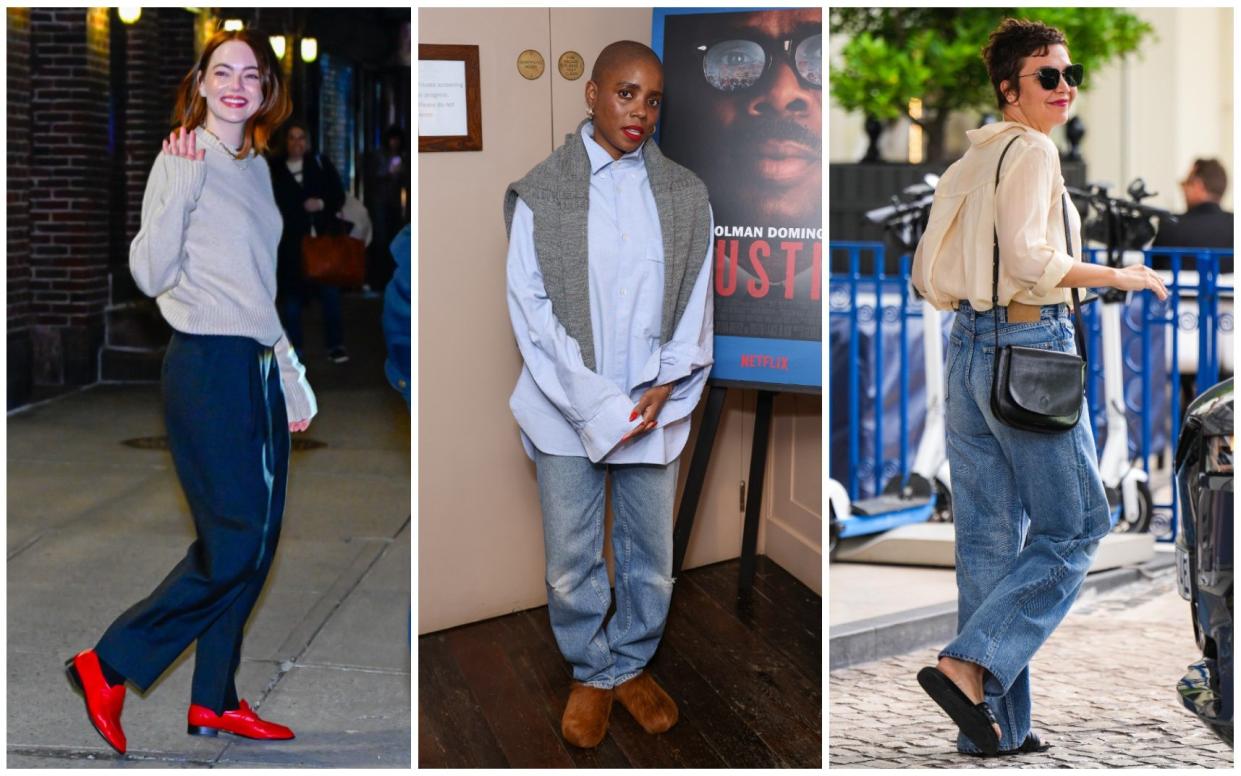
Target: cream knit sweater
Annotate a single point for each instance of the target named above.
(207, 252)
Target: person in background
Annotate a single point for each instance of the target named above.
(309, 194)
(1204, 224)
(387, 197)
(396, 317)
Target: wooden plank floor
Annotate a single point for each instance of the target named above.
(747, 677)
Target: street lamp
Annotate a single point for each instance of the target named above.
(233, 25)
(129, 13)
(310, 49)
(915, 131)
(278, 45)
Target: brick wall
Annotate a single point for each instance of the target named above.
(18, 235)
(177, 53)
(87, 104)
(160, 51)
(69, 193)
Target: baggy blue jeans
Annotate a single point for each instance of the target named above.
(1029, 511)
(571, 490)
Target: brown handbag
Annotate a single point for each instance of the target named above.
(334, 260)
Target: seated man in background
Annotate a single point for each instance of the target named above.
(1205, 224)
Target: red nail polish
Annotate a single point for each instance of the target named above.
(633, 415)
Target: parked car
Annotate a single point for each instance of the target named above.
(1203, 473)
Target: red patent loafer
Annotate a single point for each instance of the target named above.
(240, 722)
(103, 702)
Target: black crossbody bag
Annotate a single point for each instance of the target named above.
(1031, 388)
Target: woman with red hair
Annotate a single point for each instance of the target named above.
(232, 387)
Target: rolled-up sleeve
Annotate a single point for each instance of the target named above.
(595, 407)
(1024, 205)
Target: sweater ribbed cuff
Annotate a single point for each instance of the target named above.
(185, 178)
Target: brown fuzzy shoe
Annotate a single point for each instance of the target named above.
(647, 703)
(585, 720)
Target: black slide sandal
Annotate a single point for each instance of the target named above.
(974, 720)
(1032, 745)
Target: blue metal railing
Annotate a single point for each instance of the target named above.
(902, 311)
(1166, 315)
(1209, 323)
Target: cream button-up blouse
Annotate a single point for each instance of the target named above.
(953, 260)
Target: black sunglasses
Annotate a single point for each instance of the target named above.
(735, 65)
(1049, 77)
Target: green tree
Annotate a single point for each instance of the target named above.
(935, 54)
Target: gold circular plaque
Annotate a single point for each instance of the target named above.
(571, 65)
(530, 64)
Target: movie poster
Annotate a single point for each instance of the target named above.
(743, 109)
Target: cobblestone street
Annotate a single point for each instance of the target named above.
(1104, 690)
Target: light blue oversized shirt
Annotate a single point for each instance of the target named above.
(561, 406)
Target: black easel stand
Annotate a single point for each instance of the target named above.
(698, 473)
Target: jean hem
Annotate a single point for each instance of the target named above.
(945, 652)
(1003, 728)
(627, 676)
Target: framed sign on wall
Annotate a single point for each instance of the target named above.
(450, 113)
(744, 111)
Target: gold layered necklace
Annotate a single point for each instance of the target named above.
(227, 147)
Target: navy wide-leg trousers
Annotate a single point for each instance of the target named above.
(229, 437)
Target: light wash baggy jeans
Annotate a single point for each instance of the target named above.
(1029, 511)
(571, 491)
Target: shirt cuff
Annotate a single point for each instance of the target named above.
(603, 432)
(1054, 272)
(676, 364)
(299, 400)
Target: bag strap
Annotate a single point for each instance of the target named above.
(1079, 328)
(995, 272)
(995, 256)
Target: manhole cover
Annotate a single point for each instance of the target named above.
(161, 443)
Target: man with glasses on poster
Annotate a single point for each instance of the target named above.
(749, 121)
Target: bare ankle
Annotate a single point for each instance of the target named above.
(963, 667)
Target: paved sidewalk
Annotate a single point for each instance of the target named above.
(94, 525)
(1104, 695)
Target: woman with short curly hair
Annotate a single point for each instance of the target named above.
(1029, 508)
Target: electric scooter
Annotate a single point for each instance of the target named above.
(927, 493)
(1124, 227)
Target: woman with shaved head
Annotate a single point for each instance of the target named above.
(609, 292)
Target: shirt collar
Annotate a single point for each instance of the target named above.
(600, 158)
(1205, 207)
